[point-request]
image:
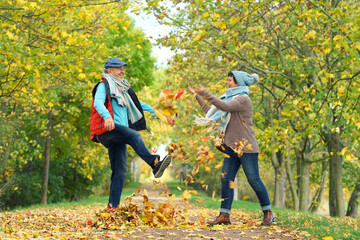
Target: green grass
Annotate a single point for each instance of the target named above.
(317, 226)
(129, 189)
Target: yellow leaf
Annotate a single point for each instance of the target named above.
(50, 104)
(219, 165)
(327, 50)
(172, 197)
(207, 169)
(10, 35)
(307, 223)
(328, 238)
(193, 192)
(221, 25)
(199, 35)
(82, 76)
(213, 196)
(341, 89)
(245, 198)
(139, 46)
(311, 34)
(205, 15)
(216, 16)
(248, 147)
(337, 37)
(186, 194)
(179, 188)
(200, 200)
(160, 115)
(145, 192)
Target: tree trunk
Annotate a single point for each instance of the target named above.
(280, 177)
(304, 166)
(353, 203)
(336, 195)
(304, 189)
(316, 202)
(290, 177)
(336, 192)
(46, 162)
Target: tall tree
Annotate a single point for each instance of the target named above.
(51, 57)
(307, 54)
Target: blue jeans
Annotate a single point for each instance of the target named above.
(231, 165)
(115, 141)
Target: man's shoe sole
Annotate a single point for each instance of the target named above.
(164, 164)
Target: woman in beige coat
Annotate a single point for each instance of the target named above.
(234, 111)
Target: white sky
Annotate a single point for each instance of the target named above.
(153, 29)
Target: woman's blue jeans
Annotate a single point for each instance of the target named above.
(231, 165)
(115, 141)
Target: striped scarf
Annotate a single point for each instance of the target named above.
(215, 115)
(119, 91)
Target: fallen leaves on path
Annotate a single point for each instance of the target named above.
(140, 216)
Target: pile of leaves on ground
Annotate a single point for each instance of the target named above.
(152, 213)
(140, 216)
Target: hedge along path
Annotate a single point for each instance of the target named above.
(152, 213)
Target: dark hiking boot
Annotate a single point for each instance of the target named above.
(223, 218)
(269, 218)
(160, 167)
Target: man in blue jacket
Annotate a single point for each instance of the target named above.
(116, 116)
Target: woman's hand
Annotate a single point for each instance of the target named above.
(199, 89)
(196, 89)
(191, 89)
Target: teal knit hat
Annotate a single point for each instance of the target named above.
(245, 79)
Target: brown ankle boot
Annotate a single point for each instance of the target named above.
(269, 218)
(223, 218)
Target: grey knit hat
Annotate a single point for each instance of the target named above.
(114, 62)
(245, 79)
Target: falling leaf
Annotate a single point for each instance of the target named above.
(193, 192)
(245, 198)
(219, 165)
(179, 93)
(200, 200)
(172, 197)
(232, 184)
(213, 196)
(186, 194)
(248, 147)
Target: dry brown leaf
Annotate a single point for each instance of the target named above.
(232, 184)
